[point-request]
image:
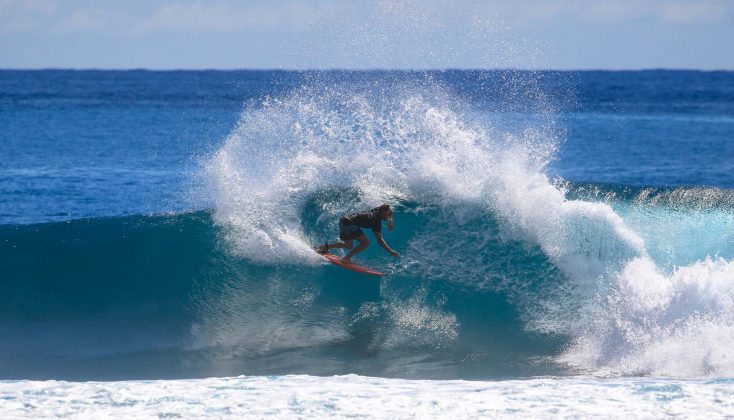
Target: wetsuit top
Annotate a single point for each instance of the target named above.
(367, 219)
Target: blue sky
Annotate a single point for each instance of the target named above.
(226, 34)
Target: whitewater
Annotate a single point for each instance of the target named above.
(295, 396)
(517, 292)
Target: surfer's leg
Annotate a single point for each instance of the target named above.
(343, 244)
(348, 232)
(363, 243)
(326, 247)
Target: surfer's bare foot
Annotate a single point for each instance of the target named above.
(347, 260)
(322, 249)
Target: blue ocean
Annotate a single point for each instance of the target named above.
(566, 240)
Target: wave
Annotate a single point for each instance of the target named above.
(165, 296)
(505, 271)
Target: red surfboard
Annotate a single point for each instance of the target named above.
(337, 260)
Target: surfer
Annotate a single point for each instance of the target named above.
(349, 230)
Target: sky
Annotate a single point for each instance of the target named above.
(392, 34)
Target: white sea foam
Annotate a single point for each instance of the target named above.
(680, 324)
(357, 396)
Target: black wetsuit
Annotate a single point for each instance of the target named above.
(349, 225)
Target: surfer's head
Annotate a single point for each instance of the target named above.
(385, 212)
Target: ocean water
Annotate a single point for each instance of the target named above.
(567, 243)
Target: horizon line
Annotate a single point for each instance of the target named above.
(376, 69)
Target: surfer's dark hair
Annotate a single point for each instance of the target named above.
(384, 208)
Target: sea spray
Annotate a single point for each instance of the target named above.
(390, 141)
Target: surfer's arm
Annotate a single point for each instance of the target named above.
(384, 244)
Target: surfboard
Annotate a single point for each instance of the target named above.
(337, 260)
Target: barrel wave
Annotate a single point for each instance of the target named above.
(505, 271)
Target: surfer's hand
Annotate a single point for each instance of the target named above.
(394, 254)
